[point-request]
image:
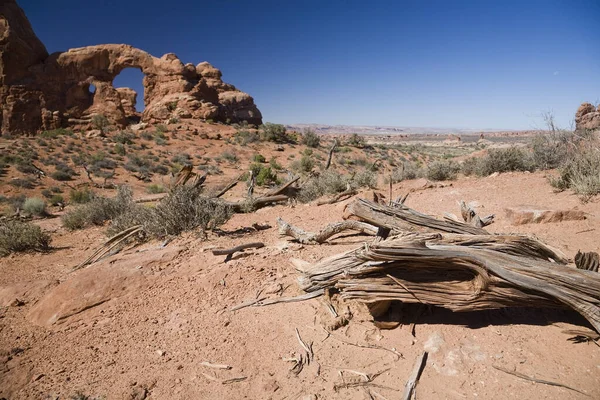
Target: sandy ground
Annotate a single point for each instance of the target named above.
(150, 340)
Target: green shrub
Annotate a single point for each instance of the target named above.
(35, 206)
(100, 122)
(120, 149)
(275, 165)
(504, 160)
(61, 175)
(81, 196)
(547, 151)
(124, 137)
(311, 139)
(365, 178)
(56, 200)
(581, 172)
(327, 182)
(274, 133)
(18, 236)
(356, 140)
(155, 188)
(99, 210)
(160, 130)
(245, 137)
(264, 175)
(231, 157)
(56, 133)
(408, 170)
(442, 170)
(305, 164)
(259, 158)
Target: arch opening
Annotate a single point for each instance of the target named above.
(129, 84)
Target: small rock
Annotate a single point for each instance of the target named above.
(160, 352)
(522, 215)
(434, 343)
(271, 386)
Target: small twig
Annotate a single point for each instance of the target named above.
(217, 366)
(234, 380)
(411, 384)
(246, 304)
(585, 230)
(369, 346)
(529, 378)
(307, 348)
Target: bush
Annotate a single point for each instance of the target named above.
(231, 157)
(409, 170)
(328, 182)
(17, 236)
(245, 137)
(81, 196)
(100, 122)
(311, 139)
(124, 137)
(305, 164)
(547, 151)
(182, 210)
(61, 175)
(275, 165)
(443, 170)
(365, 178)
(581, 172)
(155, 188)
(502, 160)
(259, 158)
(35, 206)
(56, 133)
(99, 210)
(274, 133)
(356, 140)
(56, 200)
(264, 175)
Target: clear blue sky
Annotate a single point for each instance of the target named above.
(471, 64)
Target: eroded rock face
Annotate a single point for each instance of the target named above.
(40, 91)
(587, 117)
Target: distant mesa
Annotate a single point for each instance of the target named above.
(587, 117)
(39, 91)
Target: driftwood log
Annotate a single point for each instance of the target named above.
(286, 229)
(402, 218)
(460, 276)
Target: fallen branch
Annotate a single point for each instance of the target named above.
(109, 245)
(286, 229)
(411, 384)
(263, 302)
(216, 366)
(229, 186)
(339, 197)
(282, 188)
(531, 379)
(470, 216)
(230, 252)
(253, 204)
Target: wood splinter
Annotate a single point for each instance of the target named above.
(411, 384)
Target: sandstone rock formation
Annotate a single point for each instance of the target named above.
(522, 215)
(587, 117)
(40, 91)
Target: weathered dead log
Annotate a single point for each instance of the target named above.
(184, 175)
(286, 229)
(110, 244)
(588, 261)
(402, 218)
(418, 269)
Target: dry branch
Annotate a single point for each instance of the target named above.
(228, 187)
(339, 197)
(330, 156)
(286, 229)
(230, 252)
(282, 188)
(470, 216)
(253, 204)
(529, 378)
(109, 245)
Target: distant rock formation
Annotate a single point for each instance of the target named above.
(587, 117)
(41, 92)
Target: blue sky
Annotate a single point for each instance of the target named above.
(464, 64)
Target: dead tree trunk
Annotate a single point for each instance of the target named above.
(330, 156)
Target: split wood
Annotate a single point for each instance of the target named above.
(109, 245)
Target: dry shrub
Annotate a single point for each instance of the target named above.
(408, 170)
(99, 210)
(442, 170)
(184, 209)
(581, 171)
(35, 206)
(18, 236)
(332, 182)
(499, 160)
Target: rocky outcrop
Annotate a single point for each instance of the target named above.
(587, 117)
(40, 91)
(522, 215)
